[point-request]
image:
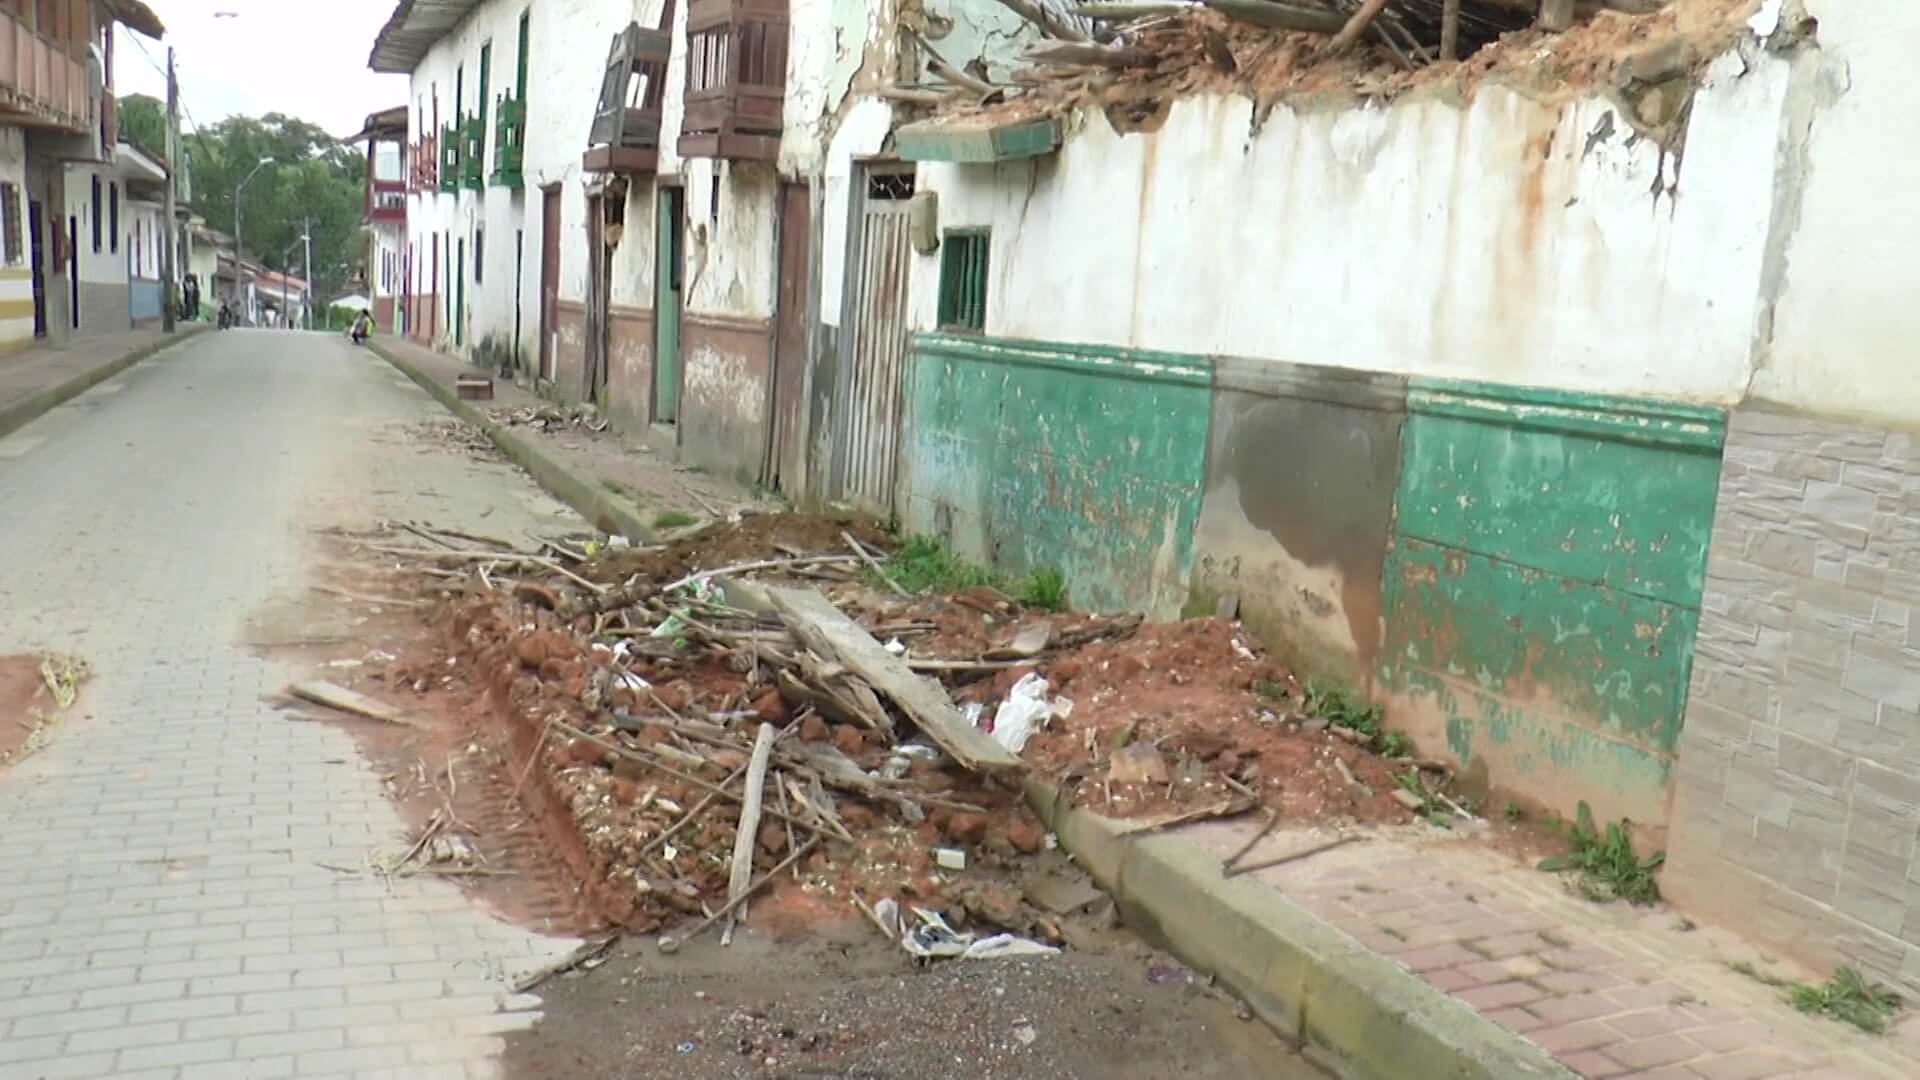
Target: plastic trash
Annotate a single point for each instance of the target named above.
(1025, 711)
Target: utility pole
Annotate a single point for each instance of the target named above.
(168, 257)
(306, 236)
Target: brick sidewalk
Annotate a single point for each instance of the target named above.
(25, 373)
(642, 472)
(1610, 991)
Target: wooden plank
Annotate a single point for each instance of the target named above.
(345, 700)
(827, 631)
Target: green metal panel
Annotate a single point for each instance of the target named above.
(976, 144)
(1543, 588)
(666, 306)
(1085, 458)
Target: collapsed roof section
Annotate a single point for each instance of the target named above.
(1132, 57)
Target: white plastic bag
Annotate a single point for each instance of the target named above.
(1024, 712)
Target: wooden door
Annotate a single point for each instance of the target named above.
(549, 276)
(786, 466)
(666, 305)
(870, 384)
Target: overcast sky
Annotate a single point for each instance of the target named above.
(292, 56)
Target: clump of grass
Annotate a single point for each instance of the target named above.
(1604, 864)
(1430, 807)
(673, 519)
(1044, 589)
(1393, 744)
(1512, 811)
(1849, 998)
(1339, 708)
(924, 564)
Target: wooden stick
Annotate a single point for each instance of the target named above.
(1273, 818)
(780, 791)
(1556, 14)
(872, 563)
(365, 598)
(586, 953)
(748, 833)
(670, 945)
(939, 66)
(1450, 31)
(1268, 864)
(635, 755)
(762, 564)
(1356, 26)
(1276, 16)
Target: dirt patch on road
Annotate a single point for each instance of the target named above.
(36, 692)
(842, 1003)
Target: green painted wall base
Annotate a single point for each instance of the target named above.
(1542, 591)
(1086, 459)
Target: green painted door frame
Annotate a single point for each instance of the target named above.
(460, 296)
(486, 70)
(666, 305)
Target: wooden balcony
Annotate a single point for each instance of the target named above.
(387, 202)
(736, 79)
(40, 85)
(625, 137)
(509, 141)
(423, 164)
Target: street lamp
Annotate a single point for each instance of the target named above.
(239, 249)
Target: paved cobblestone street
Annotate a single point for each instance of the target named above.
(161, 910)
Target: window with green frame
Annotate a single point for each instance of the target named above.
(963, 280)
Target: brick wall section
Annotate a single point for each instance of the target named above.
(1798, 792)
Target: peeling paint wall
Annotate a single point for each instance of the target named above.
(1840, 340)
(1301, 469)
(726, 387)
(1506, 239)
(1543, 588)
(1084, 459)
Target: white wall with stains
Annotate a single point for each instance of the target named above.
(444, 85)
(1843, 333)
(1506, 239)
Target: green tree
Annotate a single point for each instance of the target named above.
(143, 122)
(309, 178)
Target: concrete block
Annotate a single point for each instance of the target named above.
(1820, 764)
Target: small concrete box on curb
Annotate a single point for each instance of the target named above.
(473, 388)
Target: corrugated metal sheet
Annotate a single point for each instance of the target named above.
(873, 359)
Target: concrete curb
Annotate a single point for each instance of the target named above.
(601, 509)
(30, 408)
(1350, 1008)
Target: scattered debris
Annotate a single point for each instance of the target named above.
(348, 701)
(1238, 868)
(585, 958)
(36, 692)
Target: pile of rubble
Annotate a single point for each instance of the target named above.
(757, 706)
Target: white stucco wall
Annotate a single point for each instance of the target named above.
(1506, 240)
(16, 275)
(495, 213)
(1846, 322)
(109, 264)
(141, 236)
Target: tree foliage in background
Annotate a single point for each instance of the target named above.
(309, 177)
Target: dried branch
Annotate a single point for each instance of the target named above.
(1275, 16)
(1089, 55)
(939, 66)
(1052, 19)
(1356, 26)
